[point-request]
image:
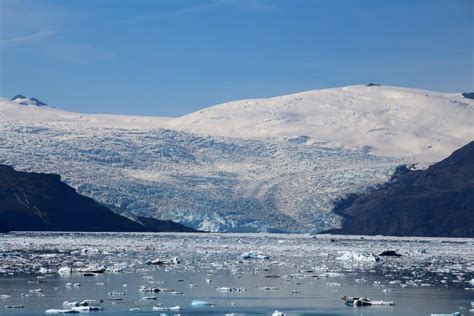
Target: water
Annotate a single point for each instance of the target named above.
(304, 275)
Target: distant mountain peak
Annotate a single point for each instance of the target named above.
(21, 99)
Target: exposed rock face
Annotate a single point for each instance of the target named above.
(21, 99)
(438, 201)
(36, 201)
(468, 95)
(3, 228)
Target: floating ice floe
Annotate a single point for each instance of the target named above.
(166, 309)
(364, 301)
(358, 257)
(65, 270)
(43, 270)
(278, 313)
(451, 314)
(159, 262)
(14, 306)
(89, 251)
(70, 284)
(61, 311)
(92, 269)
(231, 289)
(36, 291)
(150, 289)
(254, 255)
(200, 303)
(84, 303)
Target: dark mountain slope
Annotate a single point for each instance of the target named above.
(438, 201)
(36, 201)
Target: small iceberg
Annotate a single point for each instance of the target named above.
(166, 309)
(158, 262)
(231, 289)
(199, 303)
(61, 311)
(358, 257)
(254, 255)
(364, 301)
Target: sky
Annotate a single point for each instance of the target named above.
(170, 58)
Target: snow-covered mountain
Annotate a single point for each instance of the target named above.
(391, 120)
(252, 165)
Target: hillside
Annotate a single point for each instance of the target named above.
(34, 201)
(438, 201)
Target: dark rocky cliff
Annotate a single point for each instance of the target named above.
(36, 201)
(438, 201)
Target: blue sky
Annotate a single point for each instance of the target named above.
(170, 58)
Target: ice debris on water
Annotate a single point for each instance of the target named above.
(14, 306)
(254, 255)
(278, 313)
(200, 303)
(364, 301)
(65, 270)
(451, 314)
(61, 311)
(166, 309)
(231, 289)
(349, 260)
(70, 284)
(358, 257)
(158, 262)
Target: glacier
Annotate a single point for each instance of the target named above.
(267, 165)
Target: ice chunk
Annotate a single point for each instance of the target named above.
(358, 257)
(254, 255)
(85, 309)
(158, 262)
(43, 270)
(231, 289)
(93, 269)
(14, 306)
(67, 304)
(65, 270)
(61, 311)
(200, 303)
(166, 309)
(278, 313)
